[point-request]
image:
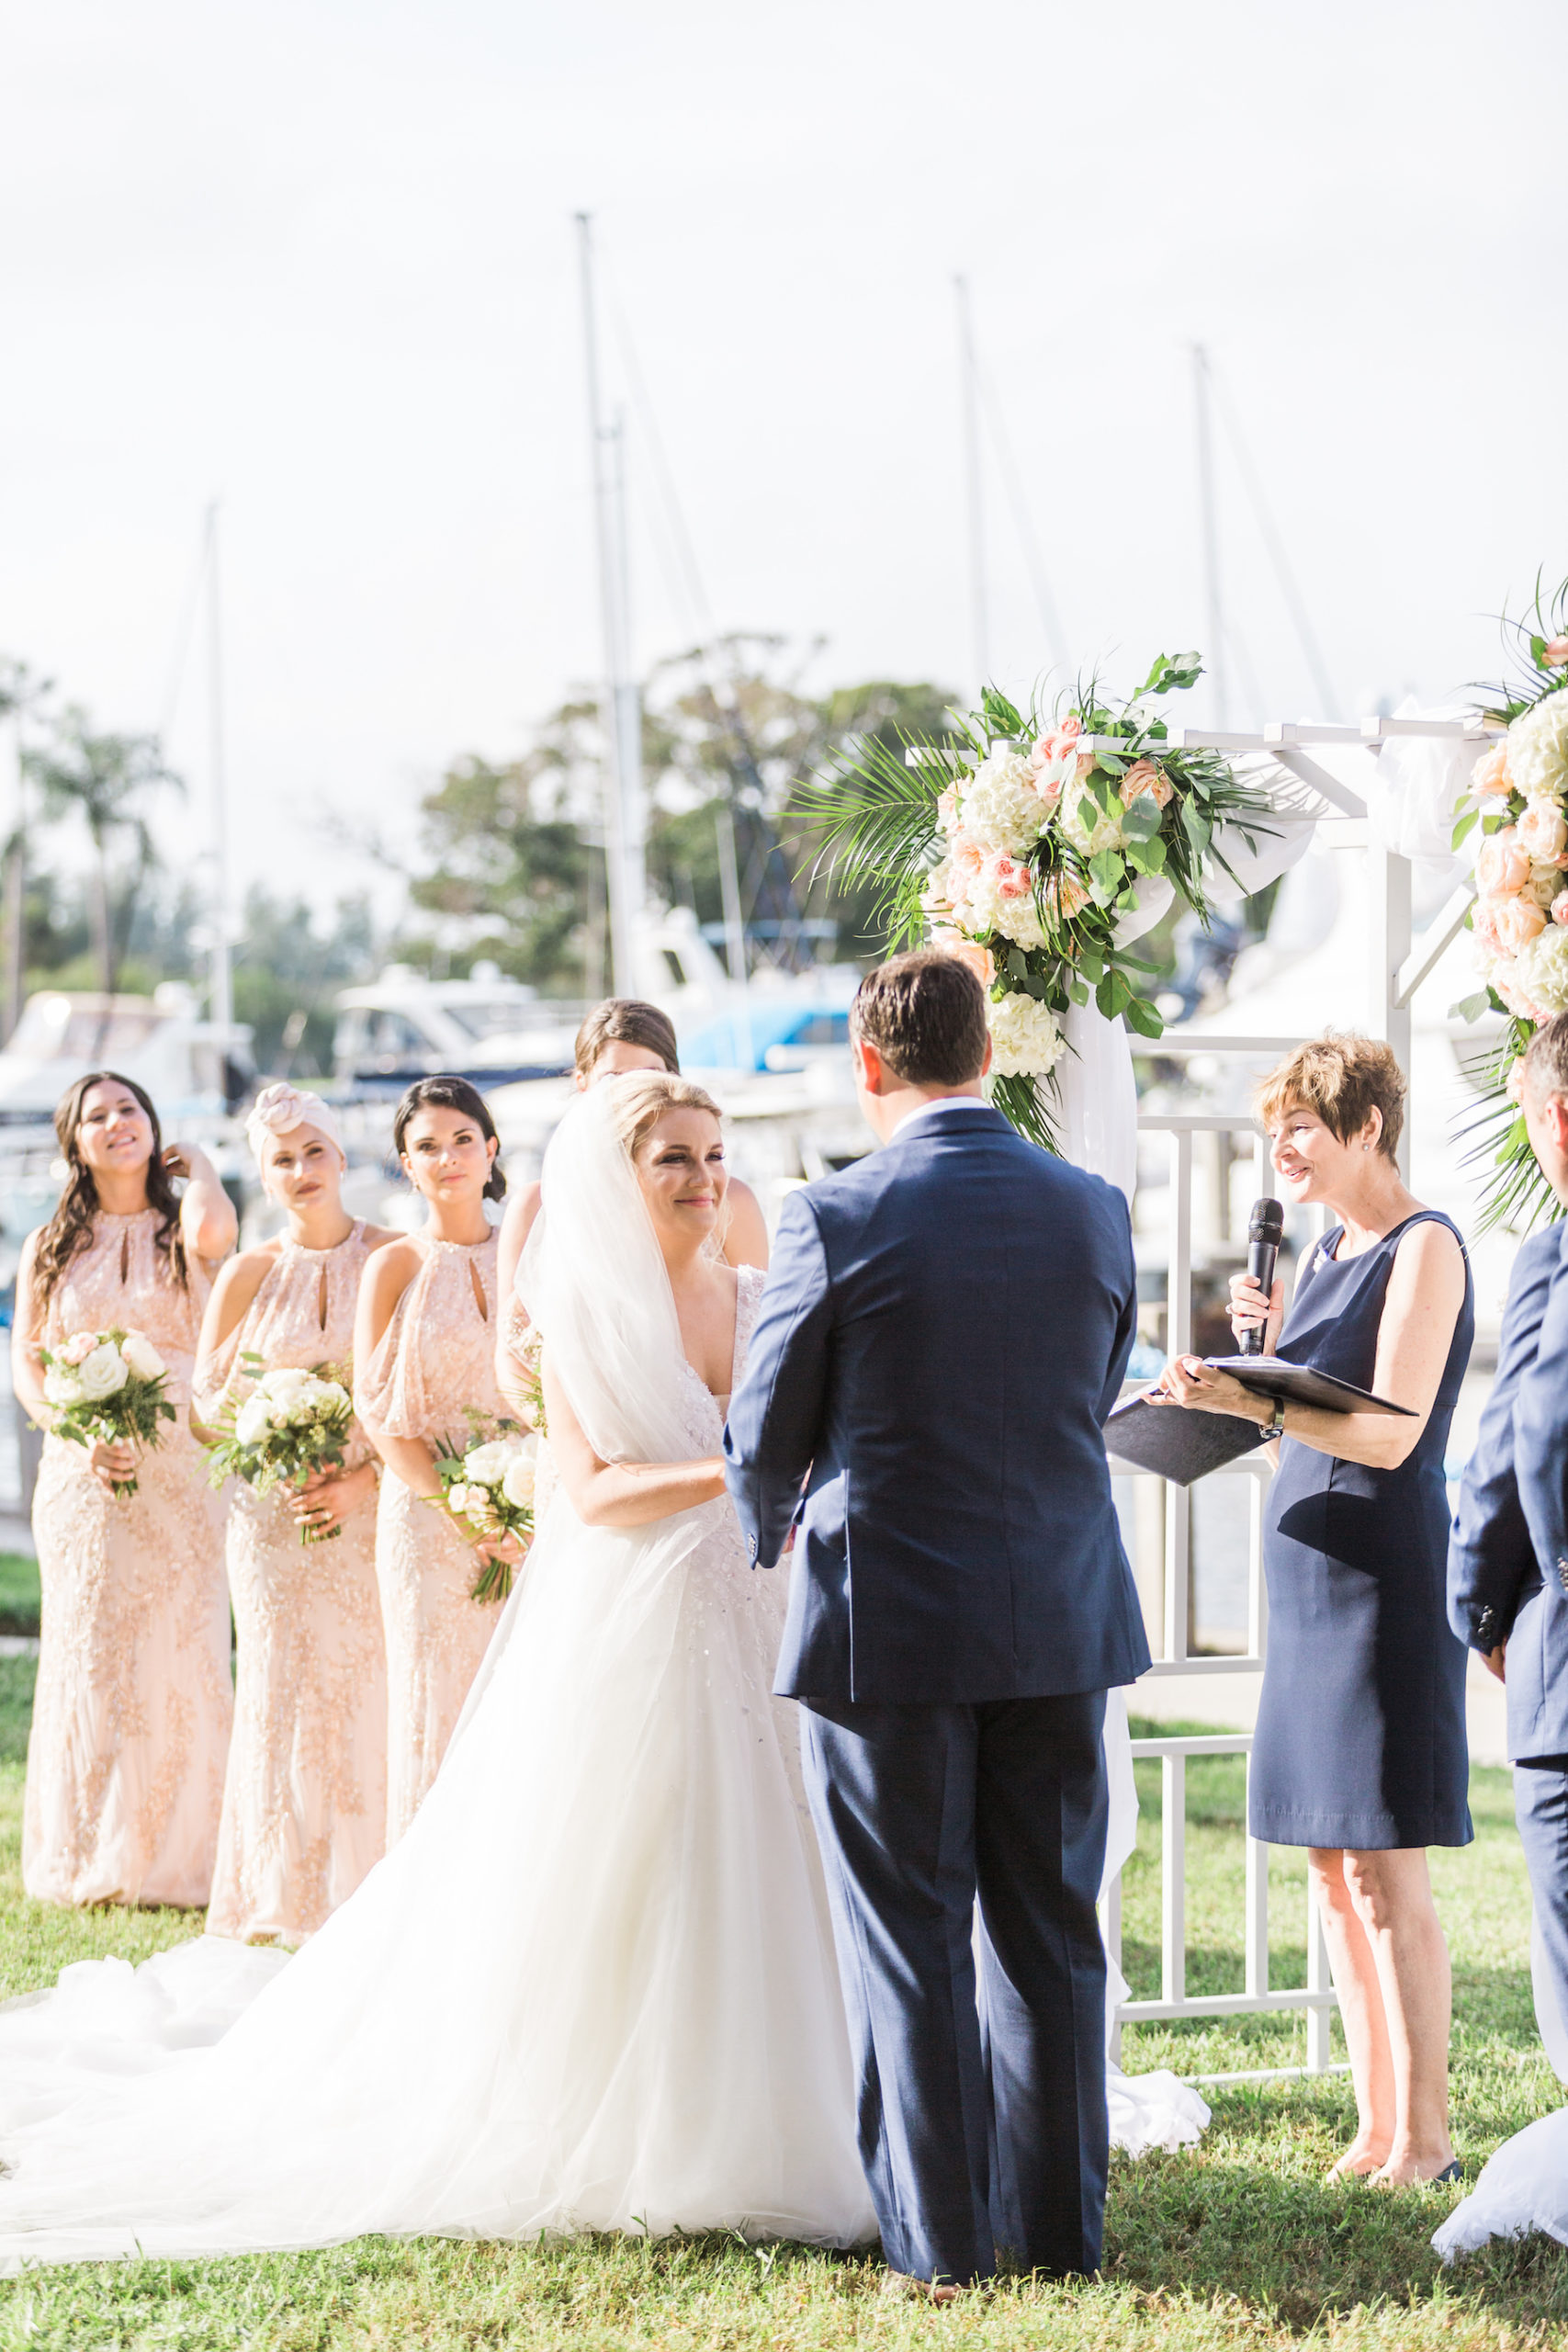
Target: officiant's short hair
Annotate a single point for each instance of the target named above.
(1342, 1077)
(925, 1012)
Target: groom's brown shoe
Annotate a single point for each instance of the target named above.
(923, 2291)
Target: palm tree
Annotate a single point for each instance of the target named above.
(102, 779)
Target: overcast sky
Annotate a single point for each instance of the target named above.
(317, 260)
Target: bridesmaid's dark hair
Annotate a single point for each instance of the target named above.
(445, 1093)
(625, 1020)
(70, 1229)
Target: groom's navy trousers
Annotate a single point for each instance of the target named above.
(944, 1328)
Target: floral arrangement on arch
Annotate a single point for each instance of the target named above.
(1516, 807)
(1038, 861)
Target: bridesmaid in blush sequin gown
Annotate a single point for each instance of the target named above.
(305, 1804)
(425, 1359)
(131, 1714)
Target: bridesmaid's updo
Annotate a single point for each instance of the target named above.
(624, 1020)
(639, 1101)
(1342, 1080)
(446, 1093)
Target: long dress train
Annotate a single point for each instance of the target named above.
(132, 1705)
(305, 1800)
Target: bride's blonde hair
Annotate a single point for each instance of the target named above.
(640, 1098)
(637, 1103)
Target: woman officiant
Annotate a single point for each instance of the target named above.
(1360, 1753)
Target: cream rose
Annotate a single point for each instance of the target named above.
(1518, 919)
(1490, 773)
(253, 1422)
(1543, 830)
(518, 1484)
(486, 1465)
(1504, 864)
(143, 1356)
(103, 1373)
(457, 1498)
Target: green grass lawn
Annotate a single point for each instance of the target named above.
(1238, 2243)
(18, 1593)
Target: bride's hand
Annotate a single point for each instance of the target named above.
(1188, 1380)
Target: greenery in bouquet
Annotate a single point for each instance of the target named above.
(1514, 813)
(293, 1424)
(1038, 861)
(488, 1489)
(107, 1387)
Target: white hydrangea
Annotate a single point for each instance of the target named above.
(1000, 806)
(1544, 884)
(983, 908)
(1086, 824)
(1026, 1040)
(1537, 748)
(1541, 970)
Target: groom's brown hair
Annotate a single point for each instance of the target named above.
(925, 1013)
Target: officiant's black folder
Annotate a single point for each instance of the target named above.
(1183, 1446)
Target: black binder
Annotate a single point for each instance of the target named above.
(1184, 1446)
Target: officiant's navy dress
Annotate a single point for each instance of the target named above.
(1360, 1738)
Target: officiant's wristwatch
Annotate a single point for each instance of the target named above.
(1274, 1425)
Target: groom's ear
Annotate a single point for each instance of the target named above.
(870, 1069)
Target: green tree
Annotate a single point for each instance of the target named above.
(290, 963)
(104, 780)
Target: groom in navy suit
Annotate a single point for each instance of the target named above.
(944, 1329)
(1508, 1550)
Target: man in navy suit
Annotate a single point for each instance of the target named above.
(945, 1326)
(1509, 1551)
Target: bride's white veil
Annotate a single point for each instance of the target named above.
(592, 1280)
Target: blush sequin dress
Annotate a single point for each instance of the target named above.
(305, 1805)
(434, 1363)
(132, 1709)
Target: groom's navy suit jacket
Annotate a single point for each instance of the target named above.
(1508, 1548)
(944, 1329)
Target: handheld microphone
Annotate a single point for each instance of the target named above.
(1265, 1231)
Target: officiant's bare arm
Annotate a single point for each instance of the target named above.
(1421, 1307)
(622, 1494)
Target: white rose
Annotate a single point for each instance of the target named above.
(61, 1387)
(486, 1465)
(103, 1372)
(1000, 806)
(1086, 825)
(253, 1420)
(284, 1385)
(1026, 1040)
(1537, 748)
(1541, 970)
(518, 1484)
(457, 1497)
(143, 1356)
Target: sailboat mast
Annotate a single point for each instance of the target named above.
(979, 618)
(620, 715)
(1209, 513)
(222, 988)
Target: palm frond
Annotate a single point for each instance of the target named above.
(1023, 1101)
(874, 816)
(1513, 1194)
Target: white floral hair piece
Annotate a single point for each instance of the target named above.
(280, 1107)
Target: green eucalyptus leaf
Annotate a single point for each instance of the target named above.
(1471, 1008)
(1142, 820)
(1465, 826)
(1078, 991)
(1140, 1014)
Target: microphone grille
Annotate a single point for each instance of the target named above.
(1267, 1222)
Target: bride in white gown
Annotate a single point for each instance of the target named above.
(593, 1988)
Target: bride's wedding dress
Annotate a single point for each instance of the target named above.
(593, 1987)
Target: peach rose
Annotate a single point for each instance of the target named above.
(1504, 864)
(1483, 926)
(1555, 652)
(967, 855)
(947, 809)
(1518, 919)
(1491, 773)
(980, 960)
(1543, 830)
(1012, 879)
(1143, 776)
(1559, 909)
(1515, 1082)
(1065, 894)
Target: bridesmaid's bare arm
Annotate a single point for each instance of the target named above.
(231, 1299)
(207, 1222)
(388, 1274)
(746, 1240)
(522, 1210)
(622, 1494)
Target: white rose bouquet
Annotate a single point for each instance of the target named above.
(1514, 812)
(488, 1489)
(107, 1387)
(293, 1424)
(1037, 862)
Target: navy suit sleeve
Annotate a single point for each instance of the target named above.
(776, 1417)
(1490, 1555)
(1540, 1443)
(1127, 1321)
